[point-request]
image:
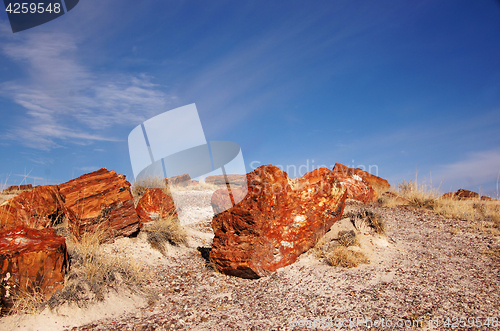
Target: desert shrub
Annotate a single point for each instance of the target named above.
(164, 231)
(347, 238)
(368, 217)
(421, 196)
(345, 257)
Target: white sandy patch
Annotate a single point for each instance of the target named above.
(66, 316)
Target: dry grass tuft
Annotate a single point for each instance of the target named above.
(142, 185)
(93, 274)
(420, 196)
(368, 217)
(348, 238)
(482, 215)
(164, 231)
(345, 257)
(26, 302)
(343, 252)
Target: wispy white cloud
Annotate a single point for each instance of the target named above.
(68, 102)
(474, 170)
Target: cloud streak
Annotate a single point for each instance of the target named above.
(476, 169)
(67, 102)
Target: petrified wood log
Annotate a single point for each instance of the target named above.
(278, 220)
(155, 204)
(31, 260)
(101, 200)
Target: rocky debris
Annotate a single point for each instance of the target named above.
(380, 185)
(31, 260)
(39, 208)
(155, 204)
(101, 200)
(278, 220)
(15, 188)
(461, 194)
(238, 180)
(182, 180)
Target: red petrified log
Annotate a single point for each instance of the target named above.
(278, 220)
(15, 188)
(38, 208)
(182, 180)
(357, 187)
(31, 260)
(461, 194)
(101, 200)
(380, 185)
(155, 204)
(11, 189)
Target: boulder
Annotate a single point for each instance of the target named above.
(466, 194)
(461, 194)
(101, 200)
(357, 187)
(31, 260)
(11, 189)
(16, 189)
(26, 187)
(182, 180)
(380, 185)
(238, 180)
(39, 208)
(278, 220)
(449, 195)
(155, 204)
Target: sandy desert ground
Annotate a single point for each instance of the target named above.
(425, 269)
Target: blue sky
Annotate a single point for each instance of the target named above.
(401, 86)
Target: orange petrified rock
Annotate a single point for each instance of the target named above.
(380, 185)
(278, 220)
(101, 200)
(155, 204)
(182, 180)
(31, 260)
(38, 208)
(357, 187)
